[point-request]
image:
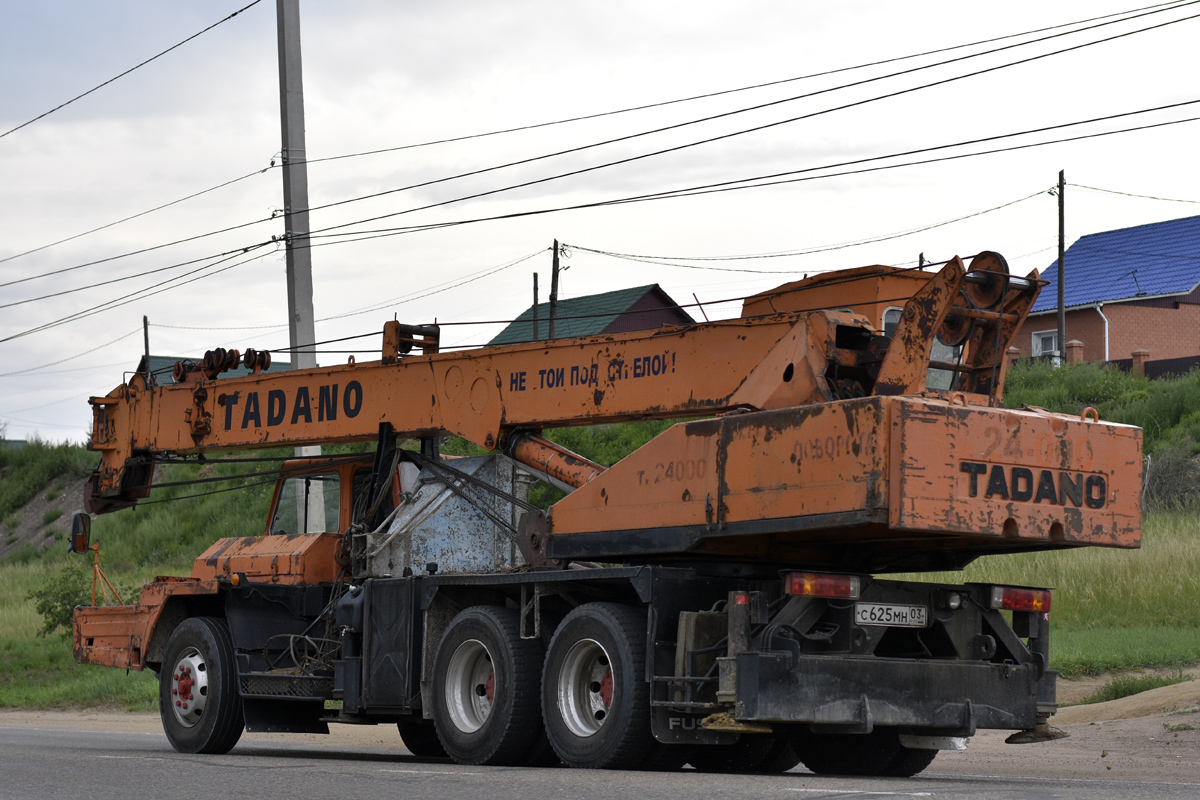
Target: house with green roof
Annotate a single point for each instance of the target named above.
(636, 309)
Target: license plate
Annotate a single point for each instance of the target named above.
(890, 615)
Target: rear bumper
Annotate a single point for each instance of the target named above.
(855, 694)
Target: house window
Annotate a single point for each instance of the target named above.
(891, 320)
(1045, 342)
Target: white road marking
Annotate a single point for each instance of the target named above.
(864, 791)
(430, 772)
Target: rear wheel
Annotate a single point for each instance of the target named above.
(595, 699)
(744, 755)
(485, 688)
(908, 762)
(421, 739)
(780, 758)
(198, 697)
(847, 754)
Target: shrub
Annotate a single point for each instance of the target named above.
(50, 515)
(55, 602)
(1172, 479)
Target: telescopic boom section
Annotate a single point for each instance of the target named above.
(484, 395)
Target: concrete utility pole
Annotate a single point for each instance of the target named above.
(554, 289)
(301, 326)
(1062, 263)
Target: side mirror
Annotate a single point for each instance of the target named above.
(81, 533)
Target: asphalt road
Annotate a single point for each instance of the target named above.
(53, 763)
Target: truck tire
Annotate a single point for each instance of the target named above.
(421, 739)
(485, 688)
(595, 699)
(847, 754)
(908, 762)
(750, 753)
(198, 696)
(668, 757)
(780, 758)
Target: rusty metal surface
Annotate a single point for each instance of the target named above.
(1012, 475)
(906, 366)
(691, 370)
(856, 482)
(552, 460)
(290, 559)
(119, 636)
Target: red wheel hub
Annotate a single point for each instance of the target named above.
(184, 683)
(606, 689)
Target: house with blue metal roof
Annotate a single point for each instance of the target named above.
(1129, 289)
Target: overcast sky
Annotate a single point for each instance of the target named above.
(381, 75)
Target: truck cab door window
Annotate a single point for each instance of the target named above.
(308, 504)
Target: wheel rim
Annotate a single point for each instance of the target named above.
(470, 686)
(189, 687)
(585, 687)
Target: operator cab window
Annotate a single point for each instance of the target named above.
(308, 504)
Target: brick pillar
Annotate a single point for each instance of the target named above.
(1074, 351)
(1140, 357)
(1012, 354)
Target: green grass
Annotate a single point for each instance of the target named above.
(1094, 651)
(50, 515)
(28, 470)
(1128, 685)
(1167, 410)
(39, 671)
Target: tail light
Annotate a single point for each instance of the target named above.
(816, 584)
(1012, 598)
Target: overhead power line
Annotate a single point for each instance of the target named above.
(649, 259)
(134, 216)
(70, 358)
(141, 294)
(751, 87)
(126, 72)
(472, 173)
(676, 101)
(767, 180)
(1130, 194)
(722, 137)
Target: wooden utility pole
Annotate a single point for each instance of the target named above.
(1062, 263)
(554, 289)
(146, 339)
(535, 308)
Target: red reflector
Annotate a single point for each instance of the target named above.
(814, 584)
(1013, 599)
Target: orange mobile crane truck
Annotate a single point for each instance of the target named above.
(710, 599)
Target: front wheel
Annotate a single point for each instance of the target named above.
(198, 697)
(595, 699)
